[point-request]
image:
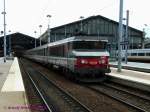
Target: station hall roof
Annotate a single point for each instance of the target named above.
(19, 42)
(19, 39)
(94, 17)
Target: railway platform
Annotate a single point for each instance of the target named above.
(136, 76)
(132, 74)
(12, 94)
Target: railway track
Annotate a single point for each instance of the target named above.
(34, 96)
(139, 102)
(132, 91)
(55, 98)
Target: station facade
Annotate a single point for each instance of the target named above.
(102, 27)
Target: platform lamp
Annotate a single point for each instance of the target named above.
(81, 17)
(40, 26)
(49, 30)
(2, 32)
(35, 39)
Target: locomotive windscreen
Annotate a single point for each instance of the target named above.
(89, 45)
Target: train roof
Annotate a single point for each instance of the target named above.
(77, 38)
(74, 38)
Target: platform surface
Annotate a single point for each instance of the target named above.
(14, 80)
(4, 70)
(12, 94)
(135, 76)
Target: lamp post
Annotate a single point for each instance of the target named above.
(4, 13)
(126, 38)
(40, 26)
(120, 35)
(35, 39)
(49, 31)
(81, 17)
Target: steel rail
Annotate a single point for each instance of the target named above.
(116, 98)
(68, 94)
(42, 97)
(131, 93)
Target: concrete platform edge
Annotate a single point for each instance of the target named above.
(130, 83)
(13, 95)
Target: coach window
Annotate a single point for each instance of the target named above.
(133, 54)
(140, 54)
(89, 45)
(147, 54)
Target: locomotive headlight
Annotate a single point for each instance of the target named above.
(103, 61)
(84, 61)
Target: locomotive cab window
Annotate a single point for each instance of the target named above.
(89, 45)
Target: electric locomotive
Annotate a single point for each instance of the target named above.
(81, 57)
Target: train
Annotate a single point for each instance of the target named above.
(83, 58)
(137, 55)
